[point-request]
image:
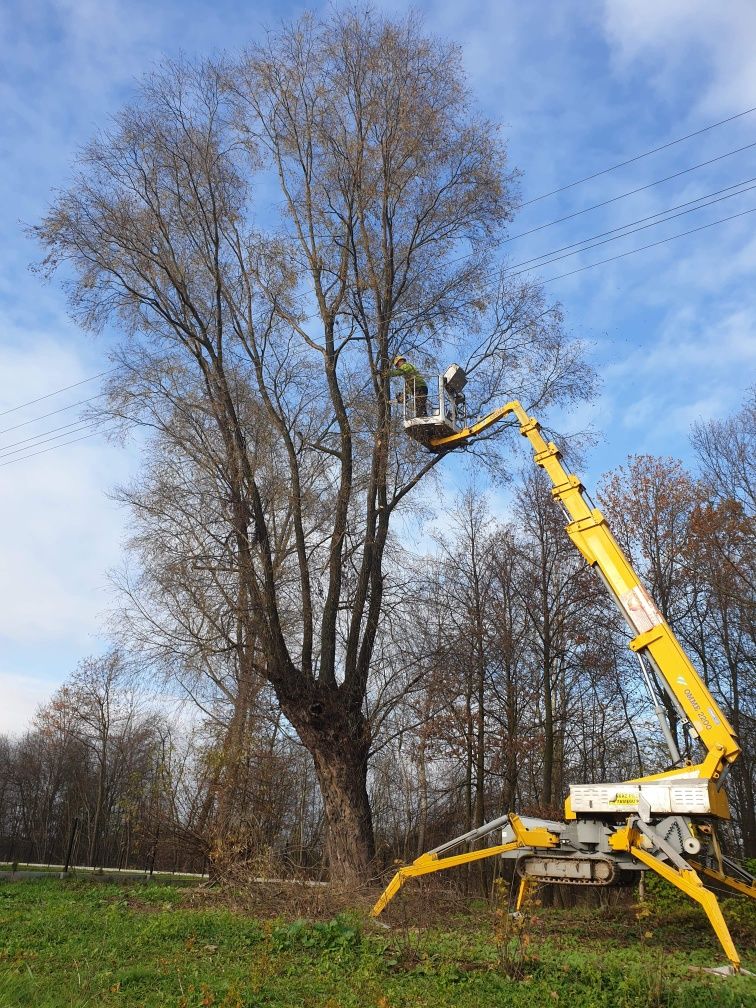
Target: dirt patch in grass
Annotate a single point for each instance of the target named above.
(293, 900)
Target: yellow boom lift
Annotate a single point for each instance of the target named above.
(666, 822)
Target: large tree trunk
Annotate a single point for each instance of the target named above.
(350, 845)
(338, 740)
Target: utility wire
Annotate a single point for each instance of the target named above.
(631, 192)
(44, 416)
(626, 234)
(699, 200)
(491, 273)
(650, 245)
(637, 157)
(642, 220)
(18, 451)
(581, 246)
(41, 434)
(61, 445)
(56, 392)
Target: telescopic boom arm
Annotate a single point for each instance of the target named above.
(653, 638)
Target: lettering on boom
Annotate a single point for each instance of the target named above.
(697, 708)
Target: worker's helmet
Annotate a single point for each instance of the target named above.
(399, 359)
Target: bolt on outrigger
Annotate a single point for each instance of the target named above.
(666, 822)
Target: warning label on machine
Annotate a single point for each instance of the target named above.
(640, 609)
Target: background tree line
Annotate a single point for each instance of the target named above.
(501, 675)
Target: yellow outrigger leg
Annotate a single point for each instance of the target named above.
(745, 888)
(680, 874)
(525, 887)
(428, 863)
(433, 862)
(688, 882)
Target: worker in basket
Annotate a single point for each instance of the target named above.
(415, 386)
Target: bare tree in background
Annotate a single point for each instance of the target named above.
(510, 683)
(722, 558)
(262, 310)
(97, 708)
(559, 594)
(692, 541)
(726, 449)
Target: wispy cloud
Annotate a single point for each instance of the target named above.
(705, 47)
(22, 695)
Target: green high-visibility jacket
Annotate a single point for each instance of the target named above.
(409, 372)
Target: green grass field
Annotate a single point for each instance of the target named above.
(77, 944)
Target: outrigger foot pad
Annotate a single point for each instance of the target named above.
(723, 971)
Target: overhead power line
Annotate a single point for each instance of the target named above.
(56, 392)
(35, 438)
(643, 248)
(61, 445)
(665, 215)
(537, 264)
(640, 220)
(17, 451)
(638, 157)
(44, 416)
(631, 192)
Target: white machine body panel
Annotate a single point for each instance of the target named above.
(682, 797)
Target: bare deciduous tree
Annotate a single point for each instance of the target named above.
(263, 308)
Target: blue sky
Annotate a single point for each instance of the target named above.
(577, 86)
